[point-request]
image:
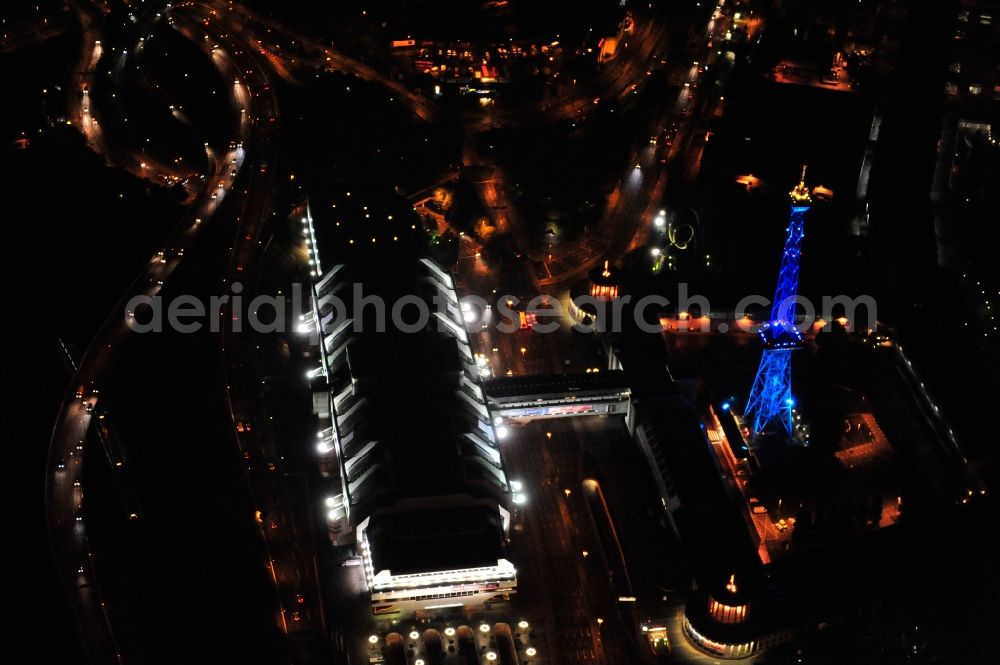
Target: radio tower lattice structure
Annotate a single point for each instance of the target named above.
(771, 399)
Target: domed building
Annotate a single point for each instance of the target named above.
(719, 621)
(602, 285)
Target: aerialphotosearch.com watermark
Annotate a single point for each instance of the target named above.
(414, 313)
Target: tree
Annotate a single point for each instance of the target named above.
(443, 199)
(484, 229)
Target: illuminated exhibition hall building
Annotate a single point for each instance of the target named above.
(404, 430)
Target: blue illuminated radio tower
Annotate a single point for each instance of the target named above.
(771, 396)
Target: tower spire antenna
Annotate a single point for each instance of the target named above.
(800, 193)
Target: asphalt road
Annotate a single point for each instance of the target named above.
(68, 445)
(565, 571)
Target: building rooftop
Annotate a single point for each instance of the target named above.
(543, 384)
(448, 538)
(410, 411)
(708, 520)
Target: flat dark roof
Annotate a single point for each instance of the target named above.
(437, 539)
(514, 386)
(709, 520)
